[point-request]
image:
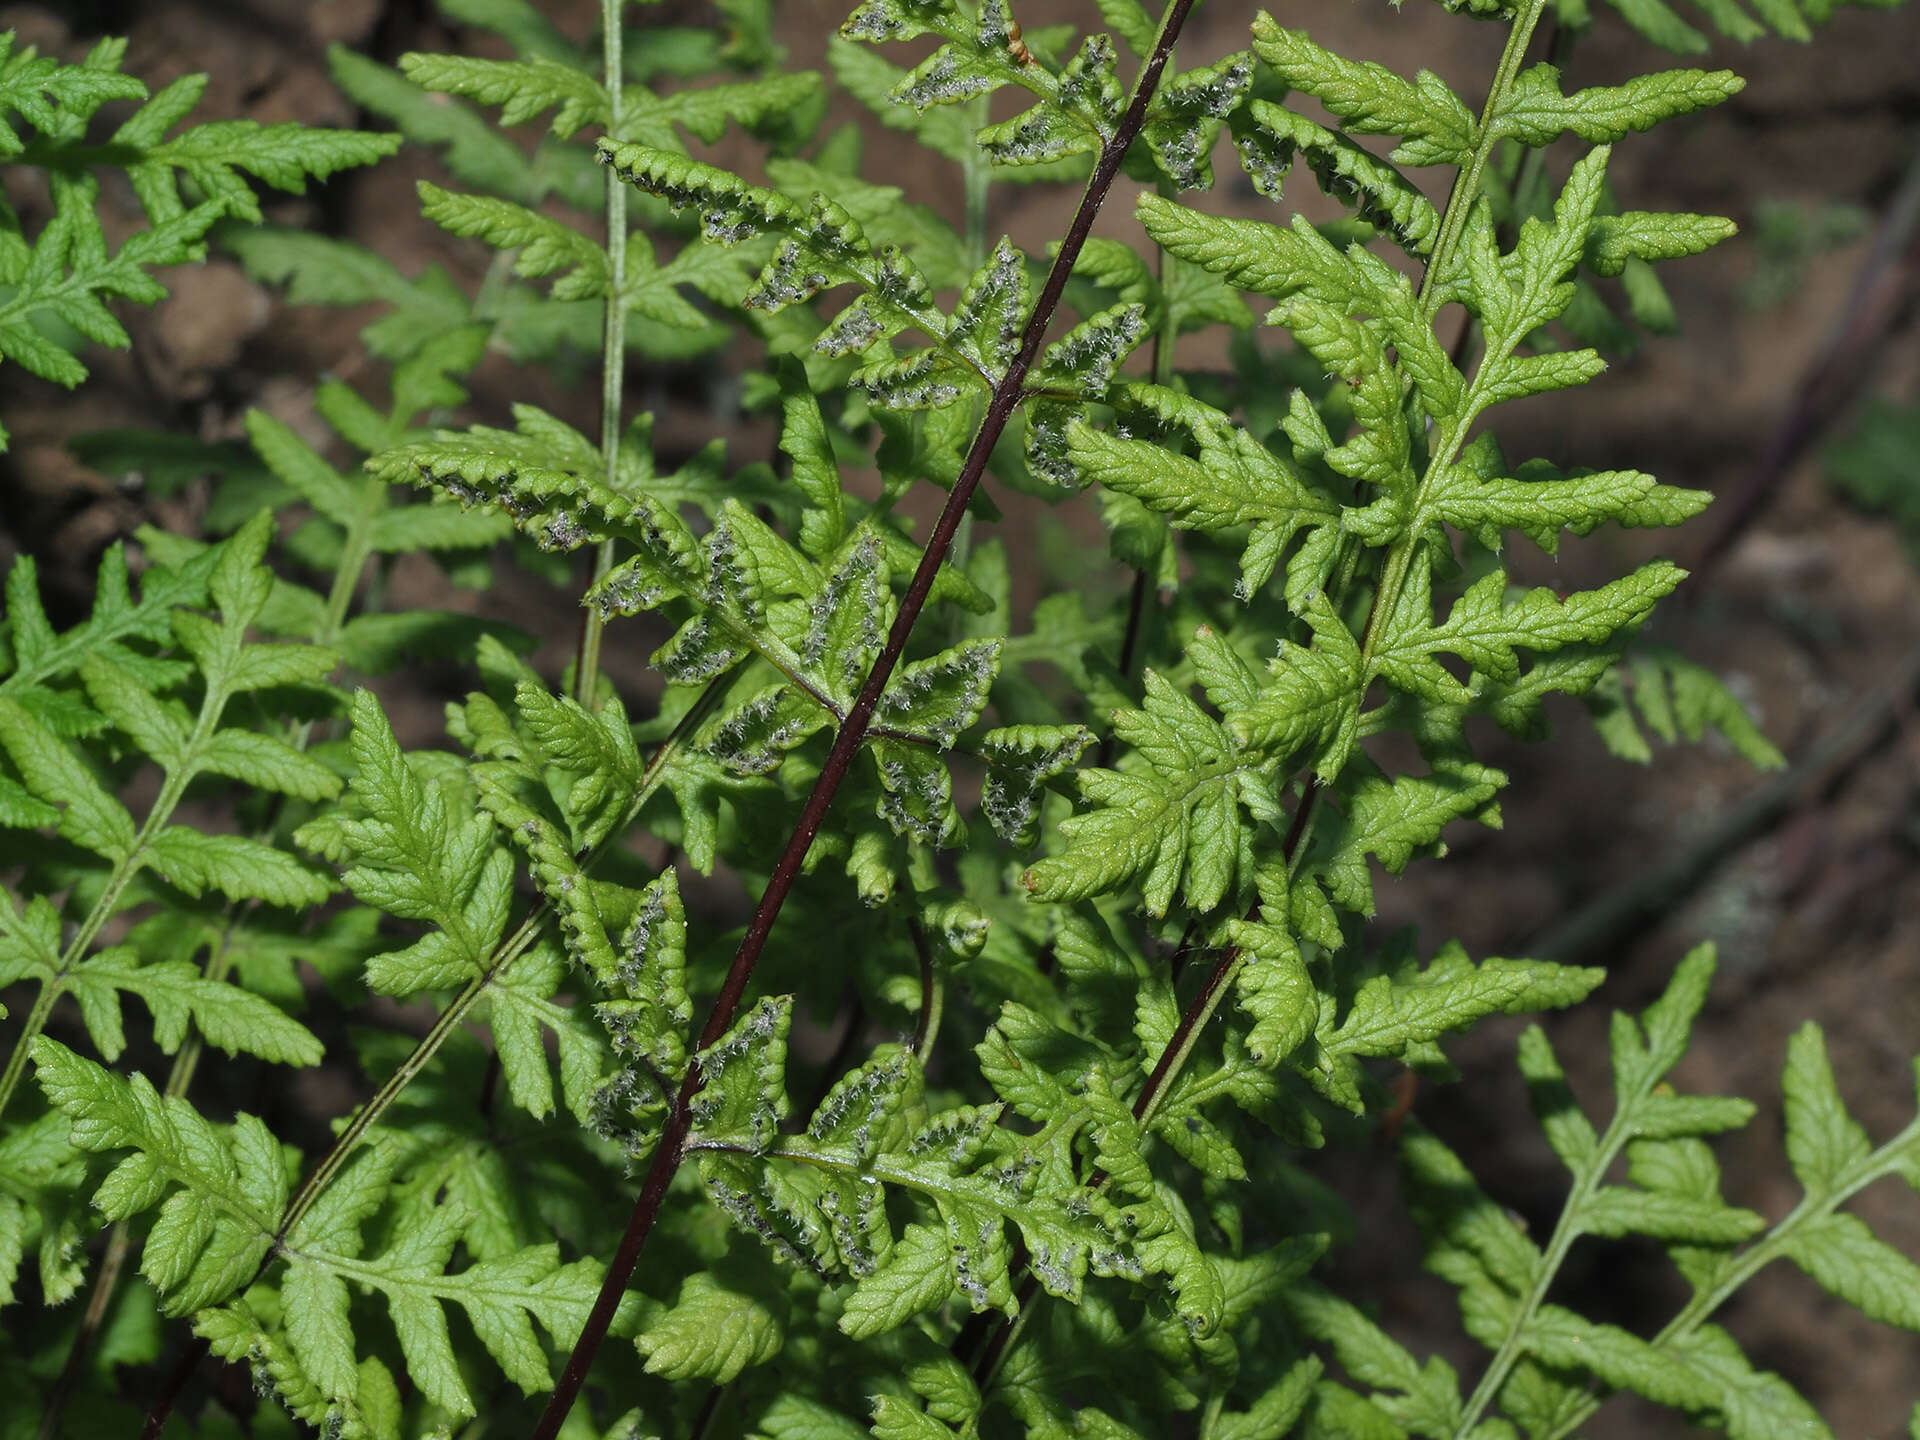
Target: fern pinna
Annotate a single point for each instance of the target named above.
(1106, 937)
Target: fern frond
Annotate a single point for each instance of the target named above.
(67, 273)
(220, 1195)
(1673, 1196)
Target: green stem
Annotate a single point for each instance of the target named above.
(368, 1115)
(613, 346)
(932, 994)
(1466, 185)
(1453, 225)
(1199, 1011)
(1400, 555)
(976, 173)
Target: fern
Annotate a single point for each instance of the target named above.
(67, 272)
(1549, 1359)
(1097, 878)
(116, 697)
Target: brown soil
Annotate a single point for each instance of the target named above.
(1813, 606)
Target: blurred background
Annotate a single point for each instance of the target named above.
(1792, 390)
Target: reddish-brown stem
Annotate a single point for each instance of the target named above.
(1006, 395)
(1176, 1046)
(703, 1422)
(841, 1060)
(1002, 1337)
(176, 1382)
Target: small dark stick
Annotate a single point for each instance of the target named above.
(1017, 47)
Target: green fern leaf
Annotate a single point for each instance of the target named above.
(1382, 196)
(213, 1231)
(1435, 126)
(1535, 111)
(1021, 760)
(54, 775)
(1845, 1259)
(234, 866)
(52, 97)
(414, 860)
(1178, 825)
(213, 155)
(1751, 1403)
(521, 89)
(1429, 1402)
(473, 151)
(544, 246)
(711, 1332)
(226, 1016)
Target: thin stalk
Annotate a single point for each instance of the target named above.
(853, 1028)
(975, 175)
(1386, 593)
(1570, 1227)
(1129, 643)
(369, 1114)
(709, 1408)
(613, 347)
(1453, 225)
(1399, 557)
(1165, 337)
(490, 1088)
(997, 1347)
(926, 1028)
(1006, 396)
(348, 1141)
(1185, 1036)
(1466, 185)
